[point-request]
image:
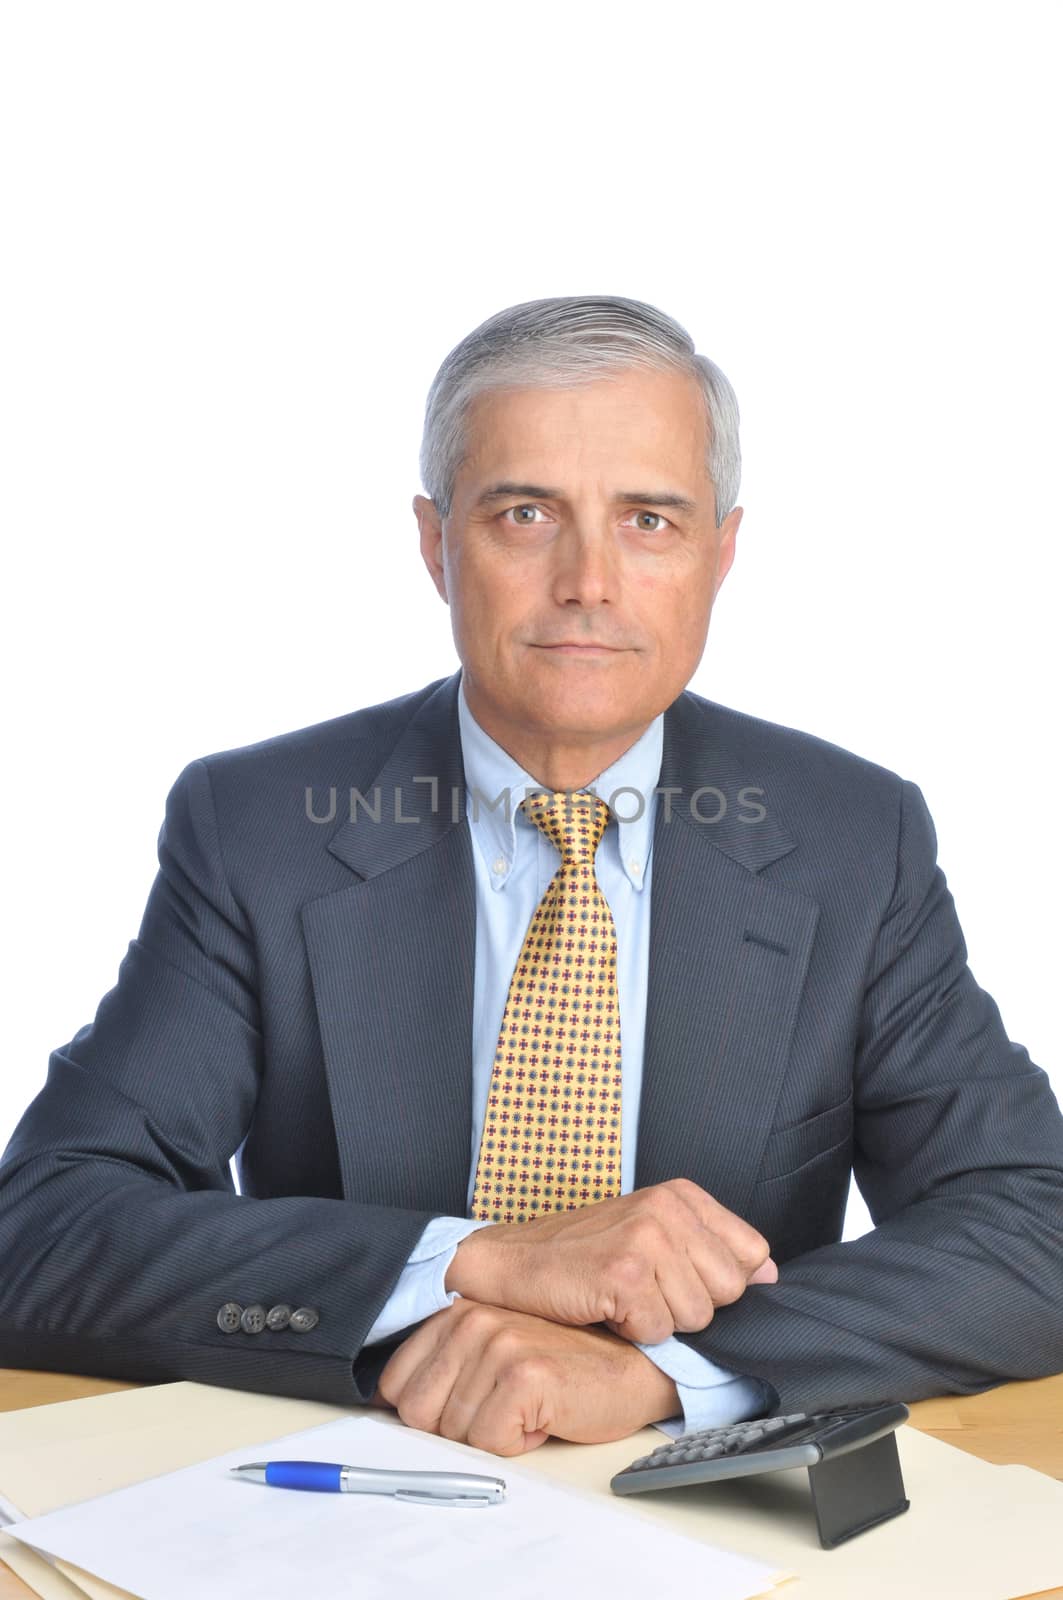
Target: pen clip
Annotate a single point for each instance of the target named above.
(415, 1497)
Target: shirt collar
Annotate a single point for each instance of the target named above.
(491, 771)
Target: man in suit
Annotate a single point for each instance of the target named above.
(549, 1007)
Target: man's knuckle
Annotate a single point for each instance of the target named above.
(479, 1318)
(485, 1437)
(649, 1233)
(526, 1370)
(730, 1282)
(479, 1436)
(629, 1270)
(507, 1344)
(748, 1245)
(416, 1414)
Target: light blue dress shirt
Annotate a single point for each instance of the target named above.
(514, 863)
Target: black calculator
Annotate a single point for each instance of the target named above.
(851, 1455)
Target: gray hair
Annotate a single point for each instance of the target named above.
(559, 343)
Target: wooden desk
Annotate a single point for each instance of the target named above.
(1020, 1422)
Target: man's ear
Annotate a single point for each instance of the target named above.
(726, 555)
(431, 526)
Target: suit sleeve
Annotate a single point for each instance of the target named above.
(958, 1152)
(120, 1230)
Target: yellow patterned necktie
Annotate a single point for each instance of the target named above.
(551, 1137)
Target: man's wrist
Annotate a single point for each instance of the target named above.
(468, 1273)
(661, 1395)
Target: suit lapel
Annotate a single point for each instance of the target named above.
(392, 959)
(729, 951)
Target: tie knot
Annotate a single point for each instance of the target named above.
(573, 822)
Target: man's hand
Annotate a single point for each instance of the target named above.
(504, 1381)
(647, 1264)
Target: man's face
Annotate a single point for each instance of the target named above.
(579, 601)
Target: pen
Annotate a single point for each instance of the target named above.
(420, 1488)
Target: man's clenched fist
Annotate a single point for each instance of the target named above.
(647, 1264)
(505, 1382)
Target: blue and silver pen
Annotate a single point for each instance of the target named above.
(421, 1488)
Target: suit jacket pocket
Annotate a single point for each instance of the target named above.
(789, 1149)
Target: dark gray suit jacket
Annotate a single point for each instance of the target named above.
(302, 993)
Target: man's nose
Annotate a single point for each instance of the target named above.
(585, 566)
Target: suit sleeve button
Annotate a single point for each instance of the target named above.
(278, 1318)
(303, 1319)
(229, 1316)
(253, 1319)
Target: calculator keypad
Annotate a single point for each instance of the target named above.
(708, 1444)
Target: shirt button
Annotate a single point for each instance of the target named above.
(634, 866)
(253, 1319)
(303, 1319)
(229, 1316)
(499, 865)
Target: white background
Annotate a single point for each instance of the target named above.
(239, 240)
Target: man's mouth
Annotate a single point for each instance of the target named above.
(565, 648)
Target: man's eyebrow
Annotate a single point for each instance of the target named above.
(538, 491)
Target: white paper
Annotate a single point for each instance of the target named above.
(199, 1532)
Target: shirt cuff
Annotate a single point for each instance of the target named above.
(711, 1396)
(420, 1290)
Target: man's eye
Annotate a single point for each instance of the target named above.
(529, 522)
